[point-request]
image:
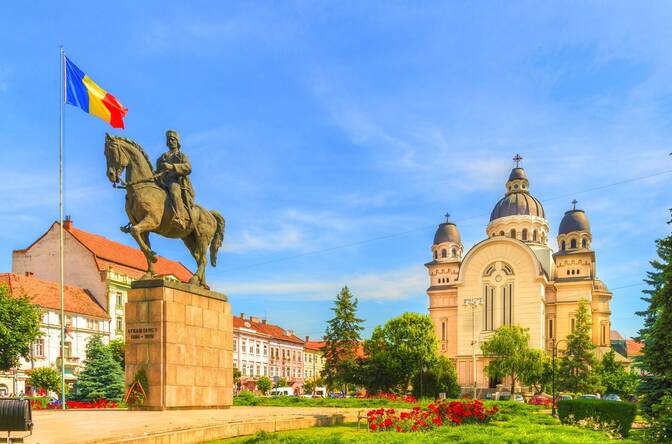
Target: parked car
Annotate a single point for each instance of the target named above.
(488, 396)
(518, 397)
(565, 398)
(588, 397)
(612, 397)
(504, 396)
(282, 391)
(540, 400)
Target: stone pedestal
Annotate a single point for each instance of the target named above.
(183, 337)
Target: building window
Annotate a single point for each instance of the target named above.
(120, 323)
(562, 245)
(513, 233)
(38, 348)
(69, 320)
(436, 254)
(534, 236)
(244, 369)
(501, 233)
(119, 300)
(550, 328)
(489, 307)
(67, 349)
(572, 243)
(243, 346)
(524, 234)
(444, 253)
(258, 349)
(91, 324)
(265, 350)
(572, 324)
(507, 304)
(443, 330)
(603, 335)
(453, 252)
(584, 242)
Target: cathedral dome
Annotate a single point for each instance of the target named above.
(574, 220)
(447, 232)
(517, 203)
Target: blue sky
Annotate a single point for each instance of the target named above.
(333, 136)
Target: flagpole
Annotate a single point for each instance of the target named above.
(60, 225)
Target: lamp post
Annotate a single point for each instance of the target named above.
(473, 302)
(554, 353)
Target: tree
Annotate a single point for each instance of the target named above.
(511, 356)
(440, 378)
(576, 373)
(615, 378)
(537, 371)
(102, 378)
(656, 358)
(309, 386)
(19, 328)
(398, 351)
(264, 384)
(282, 382)
(46, 378)
(118, 347)
(342, 339)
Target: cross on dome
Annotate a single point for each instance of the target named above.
(574, 202)
(517, 159)
(447, 217)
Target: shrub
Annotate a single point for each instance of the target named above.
(660, 423)
(613, 416)
(246, 397)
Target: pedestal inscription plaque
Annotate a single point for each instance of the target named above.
(182, 335)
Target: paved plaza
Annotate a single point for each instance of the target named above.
(174, 426)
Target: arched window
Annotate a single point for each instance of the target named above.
(563, 245)
(436, 254)
(443, 330)
(513, 233)
(534, 236)
(572, 243)
(444, 253)
(489, 308)
(507, 304)
(524, 234)
(498, 278)
(501, 233)
(584, 242)
(453, 252)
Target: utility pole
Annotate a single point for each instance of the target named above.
(473, 302)
(554, 354)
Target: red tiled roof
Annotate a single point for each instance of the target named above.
(47, 294)
(633, 347)
(614, 335)
(315, 345)
(113, 254)
(272, 330)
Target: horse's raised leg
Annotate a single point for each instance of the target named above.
(190, 242)
(140, 233)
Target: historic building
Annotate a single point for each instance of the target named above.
(101, 266)
(84, 317)
(314, 359)
(513, 276)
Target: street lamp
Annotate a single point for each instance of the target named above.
(554, 353)
(473, 302)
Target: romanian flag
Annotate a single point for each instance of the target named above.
(83, 92)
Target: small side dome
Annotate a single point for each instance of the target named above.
(599, 285)
(447, 232)
(574, 220)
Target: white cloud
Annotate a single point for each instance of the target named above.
(384, 286)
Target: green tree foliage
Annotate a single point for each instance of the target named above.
(236, 376)
(341, 341)
(118, 347)
(440, 378)
(397, 352)
(656, 358)
(615, 378)
(46, 378)
(264, 384)
(19, 327)
(282, 382)
(660, 424)
(577, 366)
(102, 378)
(511, 356)
(309, 386)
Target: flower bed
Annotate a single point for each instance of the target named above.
(433, 416)
(47, 404)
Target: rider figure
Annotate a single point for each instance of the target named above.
(174, 168)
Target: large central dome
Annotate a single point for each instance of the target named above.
(518, 201)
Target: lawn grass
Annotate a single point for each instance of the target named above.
(295, 401)
(516, 423)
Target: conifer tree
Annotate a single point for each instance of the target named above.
(656, 358)
(577, 367)
(102, 377)
(341, 341)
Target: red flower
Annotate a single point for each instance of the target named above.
(372, 427)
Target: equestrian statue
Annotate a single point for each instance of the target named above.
(162, 201)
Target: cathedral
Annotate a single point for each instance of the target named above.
(513, 276)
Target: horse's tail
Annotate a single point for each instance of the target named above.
(218, 237)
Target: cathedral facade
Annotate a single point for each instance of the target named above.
(513, 277)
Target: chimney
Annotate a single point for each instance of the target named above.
(263, 321)
(254, 319)
(290, 332)
(67, 223)
(307, 338)
(242, 316)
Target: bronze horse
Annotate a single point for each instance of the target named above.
(149, 210)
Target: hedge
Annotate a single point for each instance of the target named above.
(612, 415)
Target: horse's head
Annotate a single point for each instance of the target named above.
(117, 159)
